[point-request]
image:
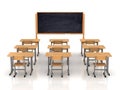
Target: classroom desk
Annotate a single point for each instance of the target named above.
(83, 41)
(33, 47)
(64, 47)
(24, 54)
(93, 55)
(63, 54)
(32, 41)
(87, 47)
(59, 40)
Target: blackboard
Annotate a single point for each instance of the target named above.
(59, 22)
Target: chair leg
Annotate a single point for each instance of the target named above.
(28, 63)
(104, 72)
(15, 72)
(25, 71)
(62, 71)
(51, 70)
(94, 71)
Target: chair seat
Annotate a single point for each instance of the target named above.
(19, 64)
(57, 64)
(100, 64)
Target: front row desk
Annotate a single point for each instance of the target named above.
(59, 50)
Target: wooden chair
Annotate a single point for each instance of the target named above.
(19, 64)
(92, 50)
(56, 61)
(102, 65)
(24, 49)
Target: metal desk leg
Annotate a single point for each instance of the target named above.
(97, 43)
(68, 65)
(48, 65)
(31, 66)
(11, 61)
(108, 66)
(81, 50)
(35, 56)
(84, 57)
(87, 65)
(38, 49)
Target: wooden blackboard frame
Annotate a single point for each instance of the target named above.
(83, 23)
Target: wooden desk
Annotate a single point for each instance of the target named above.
(24, 54)
(59, 40)
(83, 41)
(33, 47)
(63, 54)
(32, 41)
(87, 47)
(64, 47)
(93, 55)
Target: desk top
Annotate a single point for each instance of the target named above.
(61, 40)
(84, 40)
(32, 40)
(26, 46)
(64, 54)
(25, 54)
(93, 55)
(93, 46)
(59, 46)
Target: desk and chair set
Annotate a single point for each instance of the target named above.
(92, 51)
(27, 52)
(24, 55)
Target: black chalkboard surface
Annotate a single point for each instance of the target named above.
(59, 22)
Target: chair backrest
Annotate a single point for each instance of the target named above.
(22, 49)
(101, 57)
(57, 42)
(56, 57)
(94, 50)
(18, 58)
(57, 49)
(27, 42)
(89, 42)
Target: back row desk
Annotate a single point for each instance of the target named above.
(29, 47)
(24, 54)
(59, 40)
(87, 47)
(93, 55)
(84, 41)
(63, 54)
(36, 41)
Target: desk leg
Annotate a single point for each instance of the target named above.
(68, 65)
(108, 66)
(48, 65)
(87, 65)
(31, 66)
(84, 57)
(35, 56)
(11, 61)
(97, 43)
(38, 49)
(81, 50)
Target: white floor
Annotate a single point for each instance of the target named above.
(78, 79)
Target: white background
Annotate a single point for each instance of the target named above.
(102, 21)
